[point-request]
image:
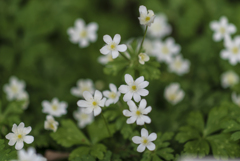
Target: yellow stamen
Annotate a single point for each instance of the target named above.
(172, 97)
(235, 50)
(84, 116)
(19, 136)
(94, 103)
(54, 107)
(165, 50)
(142, 56)
(83, 34)
(147, 18)
(14, 89)
(51, 125)
(112, 46)
(178, 64)
(112, 95)
(222, 30)
(138, 113)
(134, 88)
(145, 141)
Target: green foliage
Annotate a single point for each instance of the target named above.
(6, 153)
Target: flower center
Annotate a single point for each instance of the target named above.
(14, 89)
(84, 116)
(138, 113)
(51, 125)
(94, 103)
(165, 50)
(112, 95)
(147, 18)
(19, 136)
(142, 56)
(54, 107)
(134, 88)
(178, 64)
(85, 88)
(222, 30)
(231, 79)
(235, 50)
(83, 34)
(172, 97)
(112, 46)
(144, 141)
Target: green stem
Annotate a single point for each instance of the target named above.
(145, 126)
(106, 124)
(124, 56)
(142, 40)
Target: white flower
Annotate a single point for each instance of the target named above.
(229, 79)
(138, 114)
(29, 155)
(82, 117)
(159, 27)
(146, 17)
(19, 136)
(133, 88)
(104, 59)
(82, 85)
(179, 65)
(232, 51)
(222, 29)
(55, 108)
(23, 97)
(50, 123)
(148, 47)
(113, 95)
(14, 88)
(143, 58)
(173, 93)
(83, 34)
(112, 46)
(236, 99)
(145, 140)
(164, 51)
(92, 104)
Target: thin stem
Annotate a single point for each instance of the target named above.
(124, 56)
(106, 125)
(145, 126)
(143, 40)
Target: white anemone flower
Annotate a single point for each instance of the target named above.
(138, 114)
(133, 88)
(92, 104)
(222, 29)
(113, 95)
(173, 93)
(104, 59)
(236, 99)
(229, 79)
(82, 117)
(145, 140)
(159, 27)
(50, 123)
(82, 85)
(83, 34)
(164, 51)
(19, 136)
(14, 88)
(29, 155)
(54, 108)
(112, 46)
(146, 16)
(179, 65)
(143, 58)
(232, 51)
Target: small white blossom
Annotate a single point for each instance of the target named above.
(143, 58)
(146, 16)
(113, 95)
(82, 85)
(92, 104)
(133, 88)
(30, 155)
(173, 93)
(83, 34)
(104, 59)
(179, 65)
(229, 79)
(112, 47)
(19, 136)
(232, 51)
(164, 51)
(138, 114)
(54, 108)
(159, 27)
(14, 88)
(236, 99)
(222, 29)
(50, 123)
(145, 140)
(82, 117)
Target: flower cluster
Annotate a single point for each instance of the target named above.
(30, 155)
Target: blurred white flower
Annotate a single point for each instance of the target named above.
(148, 46)
(82, 117)
(19, 136)
(83, 34)
(236, 99)
(113, 95)
(54, 108)
(14, 88)
(232, 51)
(164, 51)
(143, 58)
(222, 29)
(104, 59)
(138, 114)
(173, 93)
(82, 85)
(179, 65)
(229, 79)
(50, 123)
(23, 97)
(146, 16)
(112, 47)
(145, 140)
(30, 155)
(133, 88)
(159, 27)
(92, 104)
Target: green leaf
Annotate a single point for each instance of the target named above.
(69, 134)
(235, 136)
(198, 147)
(79, 152)
(156, 158)
(195, 120)
(107, 156)
(98, 151)
(6, 153)
(187, 133)
(230, 126)
(84, 158)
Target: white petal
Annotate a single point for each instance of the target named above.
(128, 79)
(28, 139)
(143, 84)
(113, 87)
(143, 9)
(151, 146)
(97, 95)
(102, 102)
(123, 89)
(82, 103)
(152, 136)
(143, 92)
(104, 50)
(108, 102)
(141, 148)
(92, 26)
(232, 28)
(147, 110)
(140, 121)
(97, 111)
(12, 142)
(83, 43)
(136, 97)
(115, 54)
(87, 95)
(14, 128)
(117, 38)
(131, 120)
(27, 130)
(107, 39)
(106, 93)
(132, 106)
(217, 36)
(127, 96)
(144, 132)
(10, 136)
(143, 104)
(137, 139)
(127, 113)
(80, 23)
(19, 145)
(122, 48)
(146, 119)
(214, 25)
